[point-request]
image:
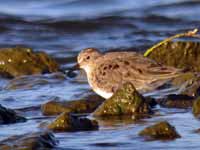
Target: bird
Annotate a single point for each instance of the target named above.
(107, 72)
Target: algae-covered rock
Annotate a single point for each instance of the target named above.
(160, 131)
(85, 105)
(30, 141)
(23, 61)
(178, 54)
(177, 101)
(126, 101)
(196, 107)
(8, 116)
(68, 122)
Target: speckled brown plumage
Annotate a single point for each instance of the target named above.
(107, 72)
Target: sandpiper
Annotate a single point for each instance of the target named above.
(107, 72)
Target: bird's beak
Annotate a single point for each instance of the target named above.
(75, 67)
(70, 72)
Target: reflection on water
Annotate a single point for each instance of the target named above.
(62, 28)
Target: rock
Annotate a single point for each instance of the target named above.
(126, 101)
(31, 81)
(196, 107)
(68, 122)
(30, 141)
(151, 101)
(179, 54)
(8, 116)
(177, 101)
(23, 61)
(86, 105)
(160, 131)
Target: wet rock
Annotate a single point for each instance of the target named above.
(34, 81)
(68, 122)
(160, 131)
(151, 101)
(177, 101)
(196, 107)
(8, 116)
(126, 101)
(23, 61)
(30, 141)
(179, 54)
(86, 105)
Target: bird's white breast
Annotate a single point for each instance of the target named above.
(99, 91)
(102, 93)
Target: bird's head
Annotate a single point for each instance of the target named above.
(87, 56)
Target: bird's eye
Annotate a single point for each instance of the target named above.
(88, 57)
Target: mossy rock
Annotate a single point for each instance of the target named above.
(23, 61)
(125, 101)
(8, 116)
(181, 54)
(160, 131)
(177, 101)
(67, 122)
(196, 107)
(30, 141)
(85, 105)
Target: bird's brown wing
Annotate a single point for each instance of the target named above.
(115, 69)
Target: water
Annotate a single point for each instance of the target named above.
(62, 28)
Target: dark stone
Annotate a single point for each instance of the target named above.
(196, 107)
(181, 54)
(160, 131)
(8, 116)
(177, 101)
(125, 101)
(68, 122)
(30, 141)
(23, 61)
(86, 105)
(151, 101)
